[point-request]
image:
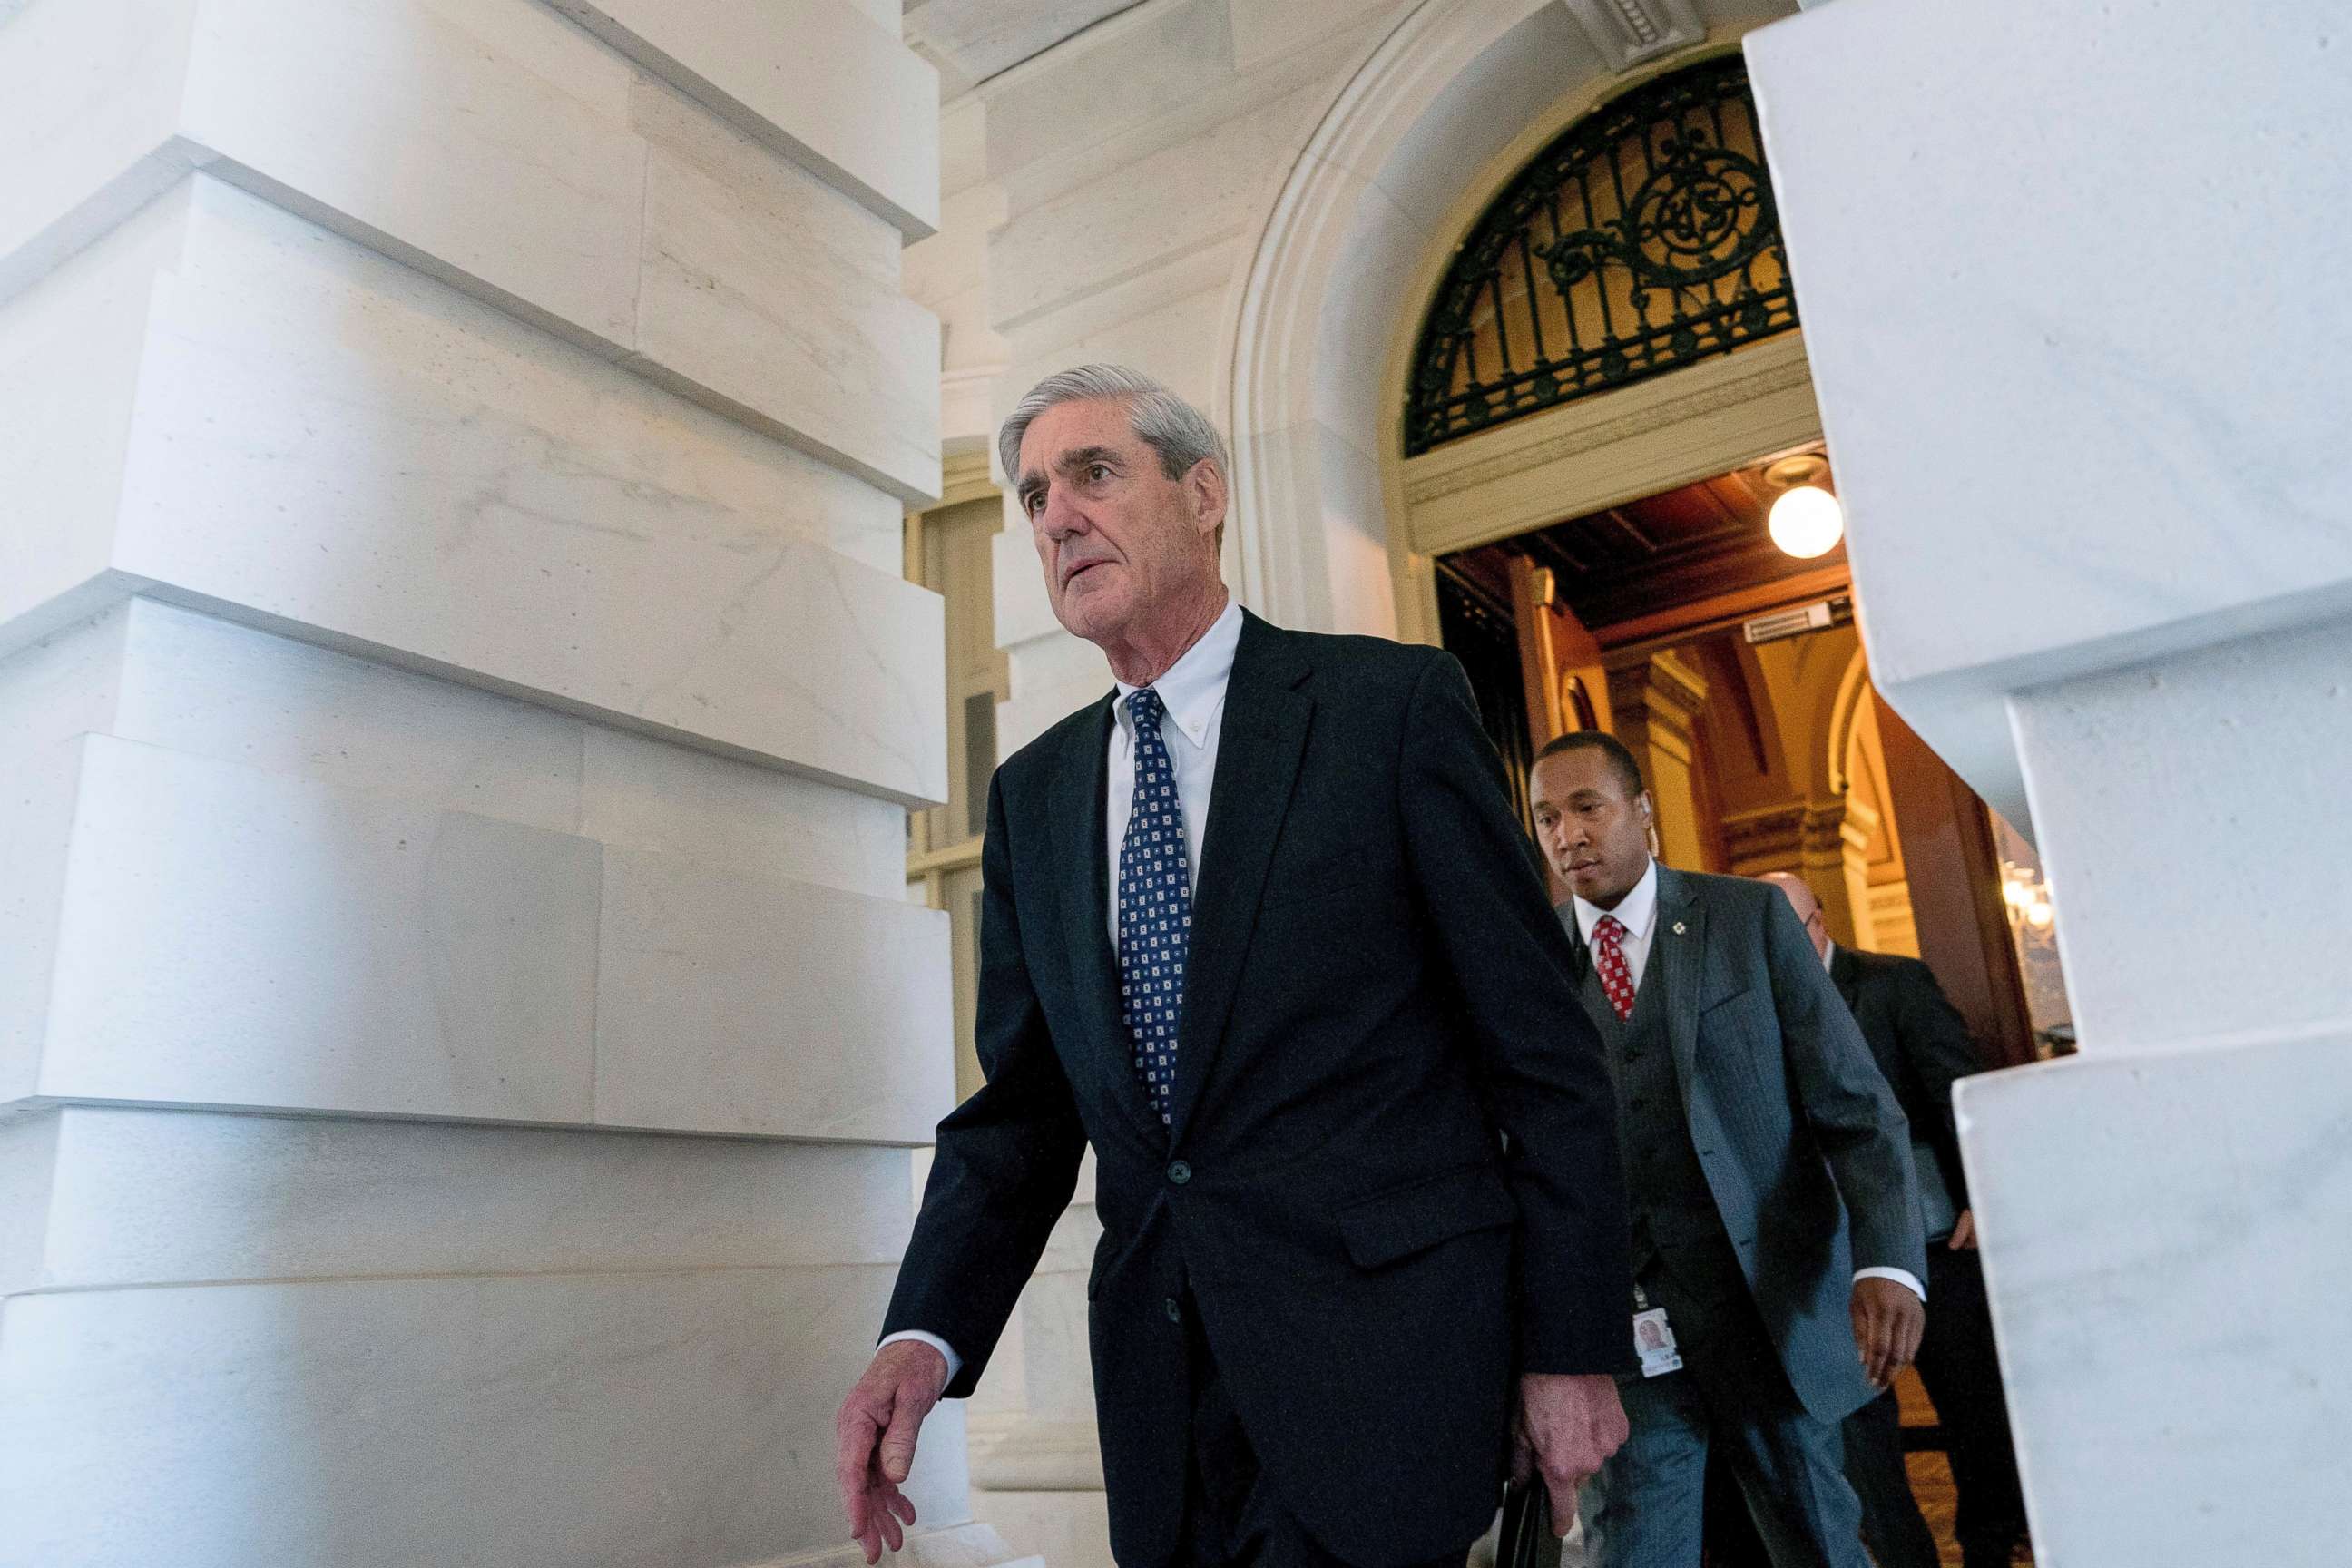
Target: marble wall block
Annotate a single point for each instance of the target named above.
(233, 937)
(90, 105)
(2049, 466)
(39, 787)
(569, 1420)
(730, 1004)
(650, 795)
(107, 1197)
(301, 403)
(165, 676)
(214, 934)
(844, 98)
(212, 688)
(732, 237)
(1114, 81)
(507, 161)
(2164, 1239)
(499, 149)
(70, 354)
(2194, 831)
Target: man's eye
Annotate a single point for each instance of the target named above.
(1097, 472)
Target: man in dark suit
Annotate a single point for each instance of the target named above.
(1774, 1204)
(1261, 928)
(1922, 1046)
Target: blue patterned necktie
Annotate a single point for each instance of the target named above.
(1155, 908)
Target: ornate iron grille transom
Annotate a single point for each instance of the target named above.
(1643, 238)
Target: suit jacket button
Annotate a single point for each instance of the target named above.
(1175, 1312)
(1180, 1173)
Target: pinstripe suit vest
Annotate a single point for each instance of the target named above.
(1675, 1217)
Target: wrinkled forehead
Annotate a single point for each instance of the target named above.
(1069, 428)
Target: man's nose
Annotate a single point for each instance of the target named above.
(1058, 519)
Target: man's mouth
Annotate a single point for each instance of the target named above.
(1083, 567)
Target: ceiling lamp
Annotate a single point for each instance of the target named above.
(1806, 520)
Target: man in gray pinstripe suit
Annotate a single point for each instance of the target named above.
(1776, 1218)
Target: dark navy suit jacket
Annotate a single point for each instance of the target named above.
(1376, 989)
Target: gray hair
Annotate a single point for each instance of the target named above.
(1163, 421)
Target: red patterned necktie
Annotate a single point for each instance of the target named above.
(1609, 958)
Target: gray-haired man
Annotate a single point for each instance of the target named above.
(1259, 926)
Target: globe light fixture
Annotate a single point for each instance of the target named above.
(1806, 520)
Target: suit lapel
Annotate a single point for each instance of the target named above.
(1080, 826)
(1260, 741)
(1678, 941)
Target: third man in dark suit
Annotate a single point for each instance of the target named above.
(1774, 1215)
(1923, 1047)
(1260, 926)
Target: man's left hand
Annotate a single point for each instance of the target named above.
(1964, 1233)
(1568, 1424)
(1887, 1322)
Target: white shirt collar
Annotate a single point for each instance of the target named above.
(1634, 911)
(1194, 687)
(1829, 956)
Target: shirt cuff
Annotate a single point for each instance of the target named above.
(1903, 1277)
(955, 1362)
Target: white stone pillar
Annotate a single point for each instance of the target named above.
(460, 1026)
(2072, 285)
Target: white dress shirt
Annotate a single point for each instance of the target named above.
(1637, 911)
(1192, 695)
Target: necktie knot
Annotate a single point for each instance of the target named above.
(1145, 708)
(1609, 958)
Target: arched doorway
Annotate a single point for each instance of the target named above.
(1344, 514)
(1630, 266)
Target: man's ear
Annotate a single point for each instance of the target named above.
(1204, 492)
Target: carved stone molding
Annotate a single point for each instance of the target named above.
(1438, 483)
(1768, 838)
(1628, 32)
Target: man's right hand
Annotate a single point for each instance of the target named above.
(1569, 1425)
(875, 1441)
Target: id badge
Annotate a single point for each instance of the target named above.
(1655, 1341)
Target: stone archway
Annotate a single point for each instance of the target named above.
(1311, 333)
(1314, 338)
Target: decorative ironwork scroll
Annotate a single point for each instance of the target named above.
(1644, 237)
